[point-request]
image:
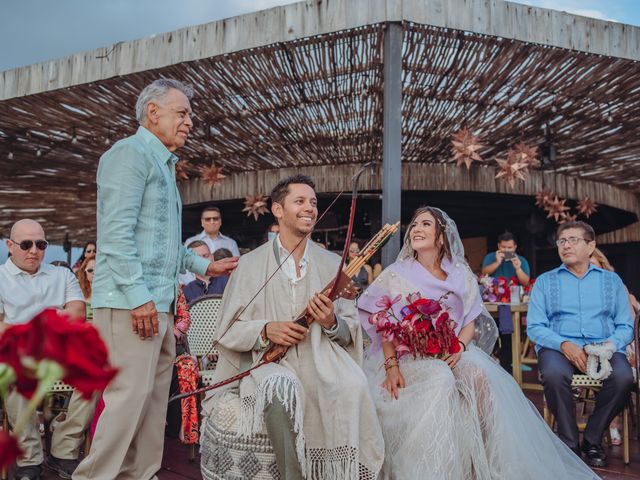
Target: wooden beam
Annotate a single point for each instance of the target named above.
(315, 17)
(415, 176)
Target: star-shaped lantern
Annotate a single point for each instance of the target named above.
(182, 170)
(567, 218)
(557, 209)
(211, 175)
(526, 155)
(543, 197)
(256, 205)
(465, 146)
(587, 207)
(511, 169)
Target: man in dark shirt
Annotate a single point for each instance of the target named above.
(202, 286)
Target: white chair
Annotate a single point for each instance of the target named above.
(204, 315)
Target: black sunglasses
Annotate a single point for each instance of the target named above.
(27, 244)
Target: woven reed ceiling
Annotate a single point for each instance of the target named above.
(318, 101)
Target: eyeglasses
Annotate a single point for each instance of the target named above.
(27, 244)
(211, 219)
(89, 270)
(89, 251)
(561, 242)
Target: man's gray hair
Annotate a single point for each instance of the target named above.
(156, 91)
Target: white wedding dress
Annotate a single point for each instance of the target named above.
(469, 422)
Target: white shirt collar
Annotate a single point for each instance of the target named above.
(204, 235)
(290, 262)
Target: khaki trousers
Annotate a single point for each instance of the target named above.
(67, 437)
(129, 438)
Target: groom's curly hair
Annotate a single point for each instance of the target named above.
(441, 232)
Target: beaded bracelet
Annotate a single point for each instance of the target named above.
(387, 362)
(388, 359)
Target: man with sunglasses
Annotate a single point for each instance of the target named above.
(211, 221)
(28, 286)
(572, 306)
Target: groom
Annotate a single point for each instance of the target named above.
(315, 403)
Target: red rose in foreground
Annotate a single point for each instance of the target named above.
(75, 346)
(9, 450)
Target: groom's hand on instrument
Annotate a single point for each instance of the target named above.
(285, 333)
(393, 381)
(321, 309)
(222, 267)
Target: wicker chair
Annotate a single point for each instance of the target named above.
(204, 315)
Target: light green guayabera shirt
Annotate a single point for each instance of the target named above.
(140, 252)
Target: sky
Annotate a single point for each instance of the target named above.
(33, 31)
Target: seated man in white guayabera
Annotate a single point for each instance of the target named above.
(314, 406)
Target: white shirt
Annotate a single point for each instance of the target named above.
(23, 295)
(289, 265)
(221, 241)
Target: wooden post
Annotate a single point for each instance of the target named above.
(392, 137)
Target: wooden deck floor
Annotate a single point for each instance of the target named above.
(176, 464)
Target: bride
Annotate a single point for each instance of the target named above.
(462, 417)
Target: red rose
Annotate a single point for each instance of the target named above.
(9, 450)
(75, 346)
(442, 321)
(424, 326)
(426, 306)
(433, 346)
(454, 347)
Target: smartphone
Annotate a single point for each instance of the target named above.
(509, 255)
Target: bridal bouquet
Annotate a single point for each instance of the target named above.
(423, 328)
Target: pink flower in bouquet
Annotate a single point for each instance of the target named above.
(9, 450)
(379, 319)
(402, 349)
(412, 297)
(386, 302)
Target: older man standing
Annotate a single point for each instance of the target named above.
(27, 286)
(135, 285)
(572, 306)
